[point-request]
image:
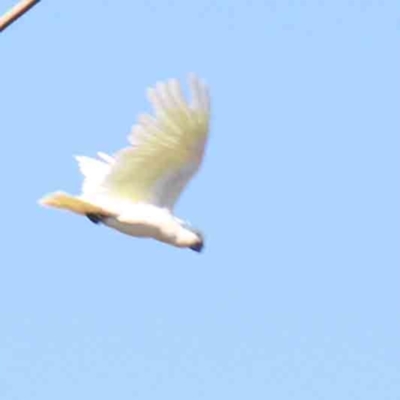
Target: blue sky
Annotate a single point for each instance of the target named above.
(297, 295)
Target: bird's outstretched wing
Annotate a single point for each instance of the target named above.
(166, 148)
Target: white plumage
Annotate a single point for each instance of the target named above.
(135, 190)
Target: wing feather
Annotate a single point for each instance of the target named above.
(166, 148)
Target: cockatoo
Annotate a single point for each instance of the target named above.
(134, 191)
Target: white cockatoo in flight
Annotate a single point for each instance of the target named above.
(135, 190)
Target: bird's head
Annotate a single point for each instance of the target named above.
(198, 245)
(191, 238)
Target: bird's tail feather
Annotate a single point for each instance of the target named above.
(71, 203)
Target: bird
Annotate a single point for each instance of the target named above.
(135, 190)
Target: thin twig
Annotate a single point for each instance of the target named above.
(15, 12)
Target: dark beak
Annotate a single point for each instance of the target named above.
(198, 247)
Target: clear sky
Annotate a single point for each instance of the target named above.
(297, 294)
